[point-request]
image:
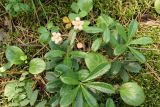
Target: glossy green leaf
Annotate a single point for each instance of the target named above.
(85, 5)
(139, 56)
(93, 30)
(132, 94)
(133, 67)
(83, 74)
(96, 44)
(65, 89)
(121, 31)
(101, 86)
(50, 76)
(110, 103)
(36, 66)
(41, 104)
(157, 6)
(93, 60)
(54, 53)
(99, 71)
(133, 27)
(70, 78)
(53, 86)
(92, 102)
(120, 49)
(142, 41)
(62, 68)
(106, 35)
(54, 101)
(67, 99)
(14, 54)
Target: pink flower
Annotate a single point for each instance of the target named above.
(78, 24)
(56, 38)
(79, 45)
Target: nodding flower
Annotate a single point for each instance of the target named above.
(78, 24)
(56, 38)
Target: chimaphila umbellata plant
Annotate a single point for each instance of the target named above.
(78, 78)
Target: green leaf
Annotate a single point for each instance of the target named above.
(65, 89)
(50, 25)
(120, 49)
(33, 97)
(121, 31)
(42, 30)
(44, 37)
(14, 54)
(72, 16)
(72, 37)
(24, 102)
(132, 94)
(104, 21)
(142, 41)
(93, 29)
(70, 78)
(10, 90)
(54, 53)
(124, 76)
(85, 5)
(54, 101)
(101, 86)
(93, 60)
(115, 68)
(133, 27)
(83, 14)
(75, 7)
(83, 74)
(99, 71)
(50, 76)
(96, 44)
(110, 103)
(106, 35)
(6, 67)
(89, 98)
(67, 99)
(36, 66)
(79, 99)
(62, 68)
(133, 67)
(157, 6)
(78, 54)
(41, 104)
(139, 56)
(53, 86)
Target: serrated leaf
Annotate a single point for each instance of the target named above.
(101, 86)
(110, 103)
(93, 60)
(132, 94)
(36, 66)
(96, 44)
(133, 27)
(13, 55)
(139, 56)
(142, 41)
(67, 99)
(89, 98)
